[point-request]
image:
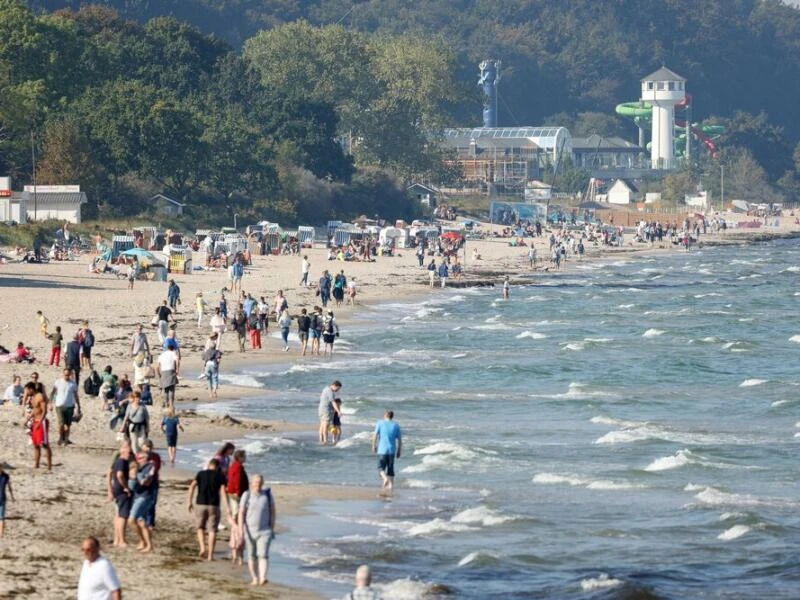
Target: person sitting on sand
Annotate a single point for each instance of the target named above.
(24, 354)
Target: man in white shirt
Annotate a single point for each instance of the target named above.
(67, 403)
(304, 269)
(98, 580)
(217, 324)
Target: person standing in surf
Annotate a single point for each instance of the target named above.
(387, 442)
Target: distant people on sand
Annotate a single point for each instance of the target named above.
(162, 319)
(330, 331)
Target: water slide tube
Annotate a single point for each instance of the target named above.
(642, 113)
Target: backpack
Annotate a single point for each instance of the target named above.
(91, 385)
(88, 341)
(329, 326)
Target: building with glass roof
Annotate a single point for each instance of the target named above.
(504, 159)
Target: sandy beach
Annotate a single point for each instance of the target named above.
(40, 554)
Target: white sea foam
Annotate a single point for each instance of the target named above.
(727, 516)
(554, 479)
(574, 346)
(601, 340)
(419, 484)
(241, 379)
(795, 339)
(473, 556)
(626, 306)
(354, 440)
(536, 298)
(438, 526)
(710, 294)
(779, 403)
(534, 335)
(403, 589)
(491, 327)
(576, 391)
(461, 355)
(712, 496)
(349, 410)
(599, 583)
(752, 382)
(482, 516)
(734, 532)
(653, 332)
(679, 459)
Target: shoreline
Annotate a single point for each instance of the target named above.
(75, 491)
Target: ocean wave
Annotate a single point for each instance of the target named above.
(404, 589)
(577, 481)
(574, 346)
(708, 295)
(477, 557)
(419, 484)
(262, 446)
(601, 340)
(626, 306)
(448, 456)
(482, 516)
(734, 532)
(712, 496)
(752, 382)
(679, 459)
(534, 335)
(601, 582)
(241, 379)
(795, 339)
(576, 391)
(359, 438)
(491, 327)
(653, 332)
(439, 526)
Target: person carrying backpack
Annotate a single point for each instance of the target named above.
(87, 343)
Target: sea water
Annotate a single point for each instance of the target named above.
(627, 429)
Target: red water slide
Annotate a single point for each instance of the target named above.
(696, 131)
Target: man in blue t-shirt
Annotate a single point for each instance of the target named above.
(387, 442)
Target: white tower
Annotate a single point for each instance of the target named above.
(663, 89)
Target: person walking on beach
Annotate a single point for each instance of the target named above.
(72, 356)
(351, 291)
(40, 432)
(121, 492)
(200, 306)
(315, 330)
(6, 491)
(330, 331)
(325, 409)
(303, 328)
(443, 273)
(55, 348)
(67, 403)
(98, 580)
(143, 499)
(44, 323)
(211, 360)
(163, 317)
(363, 591)
(387, 442)
(170, 424)
(305, 267)
(432, 271)
(210, 487)
(217, 324)
(532, 255)
(324, 288)
(239, 325)
(263, 315)
(139, 343)
(257, 519)
(285, 322)
(136, 422)
(237, 272)
(86, 336)
(168, 370)
(506, 286)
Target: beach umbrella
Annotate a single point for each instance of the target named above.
(144, 256)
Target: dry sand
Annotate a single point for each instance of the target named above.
(40, 554)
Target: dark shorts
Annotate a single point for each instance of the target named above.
(314, 334)
(87, 351)
(386, 464)
(64, 415)
(124, 505)
(303, 335)
(328, 338)
(172, 440)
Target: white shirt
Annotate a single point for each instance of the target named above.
(217, 323)
(306, 266)
(65, 393)
(98, 580)
(168, 360)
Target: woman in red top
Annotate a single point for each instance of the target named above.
(237, 481)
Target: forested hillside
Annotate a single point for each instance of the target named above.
(286, 75)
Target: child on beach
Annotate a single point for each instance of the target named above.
(336, 424)
(44, 322)
(5, 484)
(170, 425)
